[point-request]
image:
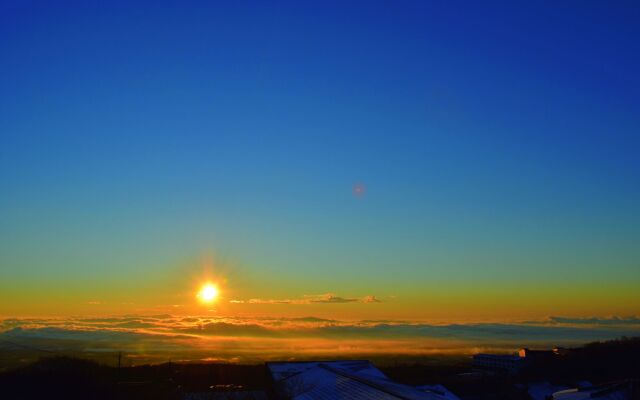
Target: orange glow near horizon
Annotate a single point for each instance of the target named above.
(208, 293)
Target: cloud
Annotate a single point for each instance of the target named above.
(612, 320)
(370, 299)
(254, 339)
(168, 325)
(272, 301)
(312, 319)
(327, 298)
(230, 329)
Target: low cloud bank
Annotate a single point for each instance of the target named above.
(159, 337)
(613, 320)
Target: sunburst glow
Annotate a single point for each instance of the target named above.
(208, 293)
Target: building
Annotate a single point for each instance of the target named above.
(513, 364)
(499, 363)
(353, 379)
(538, 355)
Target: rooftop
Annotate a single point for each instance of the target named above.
(355, 379)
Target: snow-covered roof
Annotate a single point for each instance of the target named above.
(614, 391)
(281, 370)
(354, 379)
(543, 390)
(438, 389)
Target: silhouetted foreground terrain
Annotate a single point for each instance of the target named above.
(71, 378)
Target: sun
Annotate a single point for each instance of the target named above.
(208, 293)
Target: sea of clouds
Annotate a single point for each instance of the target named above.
(157, 338)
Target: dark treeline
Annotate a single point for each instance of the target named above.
(73, 378)
(596, 362)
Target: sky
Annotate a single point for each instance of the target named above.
(431, 162)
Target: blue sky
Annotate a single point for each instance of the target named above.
(497, 141)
